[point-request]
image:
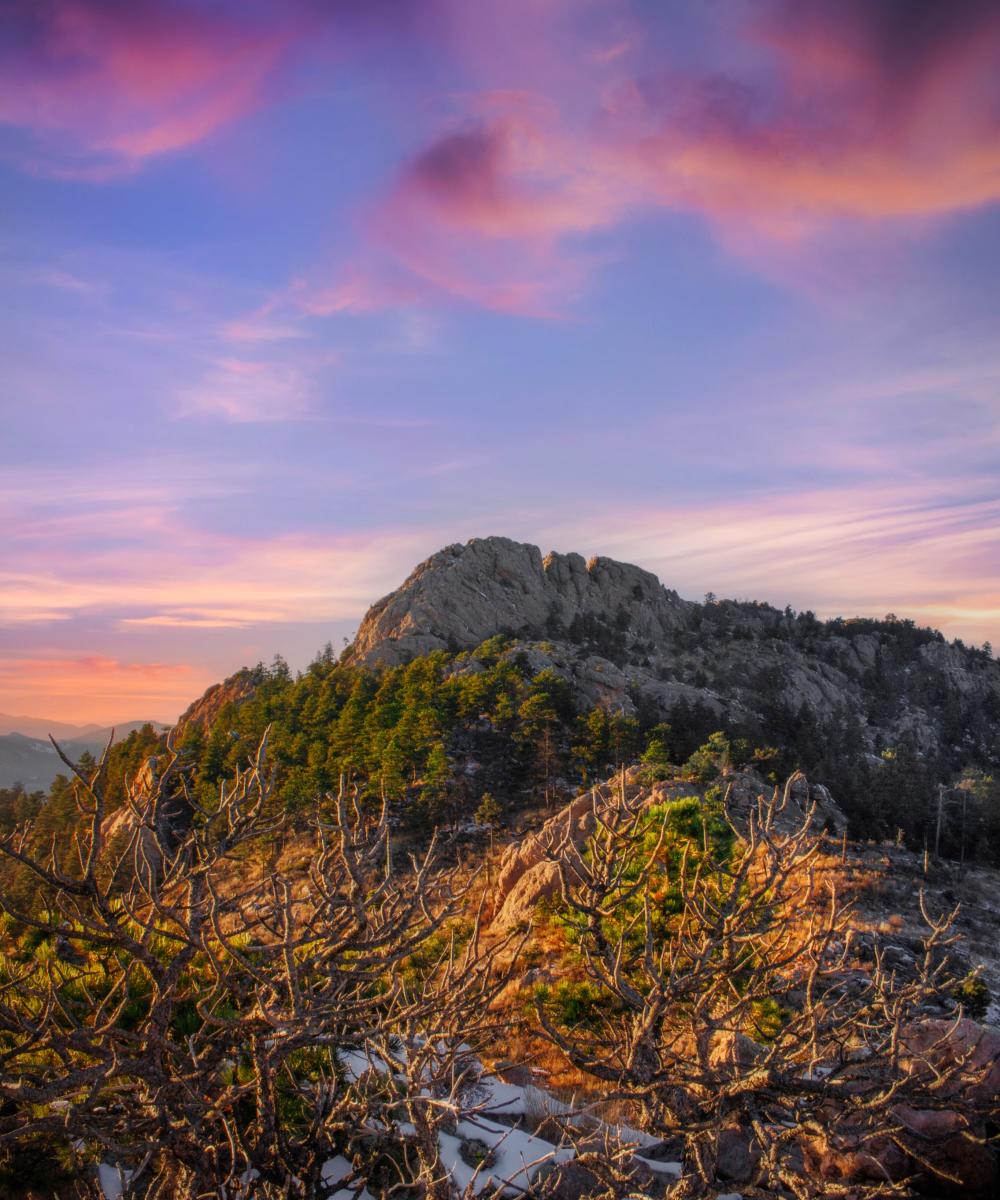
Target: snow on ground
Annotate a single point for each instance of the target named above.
(664, 1168)
(357, 1063)
(337, 1169)
(516, 1155)
(511, 1156)
(113, 1180)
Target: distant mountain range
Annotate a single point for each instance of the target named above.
(41, 727)
(27, 756)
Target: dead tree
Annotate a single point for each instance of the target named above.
(737, 1016)
(194, 1019)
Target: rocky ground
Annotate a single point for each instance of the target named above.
(889, 888)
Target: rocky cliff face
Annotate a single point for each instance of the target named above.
(465, 594)
(619, 636)
(203, 711)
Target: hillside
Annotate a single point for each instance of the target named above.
(41, 727)
(493, 671)
(665, 991)
(670, 978)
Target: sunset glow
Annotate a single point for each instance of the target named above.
(297, 292)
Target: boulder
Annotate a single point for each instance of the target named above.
(575, 821)
(539, 882)
(737, 1154)
(940, 1152)
(939, 1043)
(943, 1149)
(527, 873)
(731, 1053)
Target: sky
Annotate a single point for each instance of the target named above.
(296, 292)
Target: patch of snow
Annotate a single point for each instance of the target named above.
(517, 1156)
(113, 1180)
(336, 1169)
(357, 1063)
(665, 1168)
(494, 1095)
(636, 1137)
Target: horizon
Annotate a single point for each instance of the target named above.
(300, 293)
(300, 665)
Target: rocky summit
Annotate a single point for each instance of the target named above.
(619, 636)
(465, 594)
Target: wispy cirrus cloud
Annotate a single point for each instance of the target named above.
(251, 390)
(108, 598)
(150, 563)
(927, 551)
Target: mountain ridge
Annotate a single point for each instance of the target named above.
(494, 671)
(41, 727)
(621, 637)
(32, 762)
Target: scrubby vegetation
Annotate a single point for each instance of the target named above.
(213, 1027)
(707, 973)
(222, 972)
(206, 1014)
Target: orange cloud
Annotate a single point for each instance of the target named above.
(150, 580)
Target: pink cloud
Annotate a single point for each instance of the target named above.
(869, 111)
(801, 122)
(104, 85)
(481, 214)
(854, 109)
